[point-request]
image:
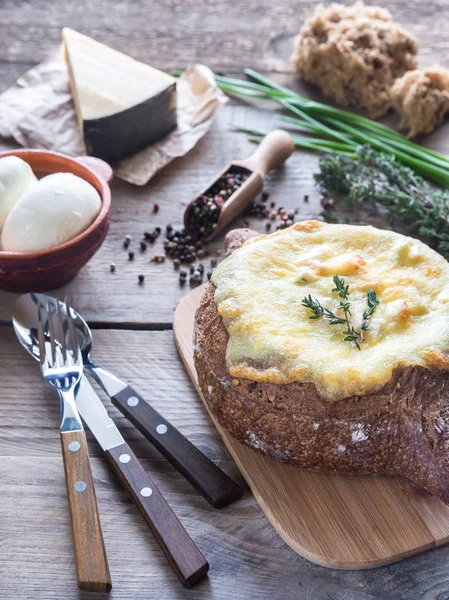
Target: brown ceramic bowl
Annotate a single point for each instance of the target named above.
(52, 268)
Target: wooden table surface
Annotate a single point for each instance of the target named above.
(133, 326)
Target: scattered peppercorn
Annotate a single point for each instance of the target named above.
(141, 279)
(268, 226)
(112, 268)
(130, 255)
(156, 207)
(213, 262)
(196, 278)
(143, 246)
(126, 244)
(266, 195)
(176, 263)
(306, 198)
(209, 275)
(128, 238)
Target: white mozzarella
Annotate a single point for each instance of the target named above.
(55, 210)
(16, 177)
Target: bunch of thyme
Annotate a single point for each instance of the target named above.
(351, 334)
(378, 178)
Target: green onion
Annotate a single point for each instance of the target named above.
(341, 131)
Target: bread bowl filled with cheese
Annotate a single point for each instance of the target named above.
(296, 387)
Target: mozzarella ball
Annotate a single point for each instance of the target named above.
(16, 177)
(55, 210)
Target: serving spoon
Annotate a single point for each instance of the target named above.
(212, 483)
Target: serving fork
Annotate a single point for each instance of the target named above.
(62, 366)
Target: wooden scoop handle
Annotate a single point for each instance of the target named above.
(272, 151)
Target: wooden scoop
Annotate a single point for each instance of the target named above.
(272, 151)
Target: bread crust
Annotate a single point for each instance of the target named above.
(401, 430)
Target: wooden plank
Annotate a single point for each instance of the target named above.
(227, 36)
(182, 34)
(248, 559)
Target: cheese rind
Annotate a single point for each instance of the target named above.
(122, 105)
(259, 289)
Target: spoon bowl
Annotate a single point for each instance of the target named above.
(26, 322)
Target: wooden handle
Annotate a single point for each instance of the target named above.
(272, 151)
(203, 474)
(92, 567)
(179, 548)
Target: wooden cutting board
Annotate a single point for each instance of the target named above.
(338, 521)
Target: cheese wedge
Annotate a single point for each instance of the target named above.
(122, 105)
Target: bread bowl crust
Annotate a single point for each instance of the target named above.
(401, 430)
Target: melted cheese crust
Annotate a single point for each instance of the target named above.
(271, 338)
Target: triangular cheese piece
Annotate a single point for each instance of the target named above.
(107, 84)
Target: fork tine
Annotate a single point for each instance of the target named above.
(73, 334)
(51, 328)
(41, 335)
(62, 330)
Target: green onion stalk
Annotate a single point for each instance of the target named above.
(334, 130)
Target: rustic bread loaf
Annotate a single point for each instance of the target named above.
(400, 429)
(354, 54)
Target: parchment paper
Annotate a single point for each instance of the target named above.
(38, 112)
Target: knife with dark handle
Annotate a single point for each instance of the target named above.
(202, 473)
(179, 548)
(218, 489)
(181, 552)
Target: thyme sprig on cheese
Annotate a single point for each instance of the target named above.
(352, 334)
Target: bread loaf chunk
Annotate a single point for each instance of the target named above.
(422, 99)
(299, 392)
(354, 54)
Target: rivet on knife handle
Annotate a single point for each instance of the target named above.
(203, 474)
(91, 562)
(179, 548)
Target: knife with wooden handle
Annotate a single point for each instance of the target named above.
(179, 548)
(213, 483)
